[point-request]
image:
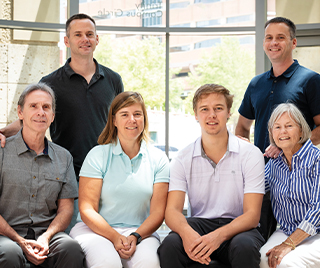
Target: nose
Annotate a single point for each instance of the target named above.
(132, 118)
(213, 113)
(40, 112)
(274, 41)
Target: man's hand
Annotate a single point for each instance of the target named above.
(189, 244)
(42, 240)
(2, 140)
(203, 247)
(272, 151)
(276, 254)
(30, 249)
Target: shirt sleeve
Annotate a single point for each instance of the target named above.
(178, 180)
(253, 172)
(246, 107)
(313, 94)
(70, 187)
(93, 164)
(162, 170)
(266, 176)
(311, 222)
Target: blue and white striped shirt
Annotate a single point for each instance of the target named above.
(295, 194)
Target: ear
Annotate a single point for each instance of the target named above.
(114, 121)
(53, 115)
(294, 43)
(97, 39)
(66, 41)
(20, 114)
(195, 115)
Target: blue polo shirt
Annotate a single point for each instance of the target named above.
(127, 183)
(297, 85)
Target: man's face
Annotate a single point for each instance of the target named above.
(212, 113)
(81, 38)
(37, 114)
(278, 44)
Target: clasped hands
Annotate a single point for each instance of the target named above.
(36, 251)
(199, 248)
(125, 246)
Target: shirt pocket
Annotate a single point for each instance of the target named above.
(53, 186)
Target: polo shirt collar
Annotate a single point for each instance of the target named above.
(288, 73)
(117, 149)
(22, 147)
(69, 71)
(233, 145)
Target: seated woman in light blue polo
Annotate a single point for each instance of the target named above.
(294, 181)
(122, 191)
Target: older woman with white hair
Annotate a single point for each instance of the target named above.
(294, 182)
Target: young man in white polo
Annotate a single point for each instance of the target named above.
(224, 179)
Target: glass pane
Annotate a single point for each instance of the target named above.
(300, 12)
(140, 60)
(48, 11)
(199, 60)
(146, 13)
(212, 13)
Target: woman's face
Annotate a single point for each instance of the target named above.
(286, 133)
(129, 122)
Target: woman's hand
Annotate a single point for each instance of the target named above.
(132, 242)
(276, 254)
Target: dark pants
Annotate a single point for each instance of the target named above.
(64, 252)
(240, 251)
(268, 223)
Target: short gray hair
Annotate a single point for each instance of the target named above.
(33, 87)
(295, 114)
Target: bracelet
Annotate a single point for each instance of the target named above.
(290, 245)
(293, 245)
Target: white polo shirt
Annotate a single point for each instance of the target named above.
(218, 192)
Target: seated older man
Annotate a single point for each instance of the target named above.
(37, 190)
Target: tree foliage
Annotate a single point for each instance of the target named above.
(141, 64)
(228, 64)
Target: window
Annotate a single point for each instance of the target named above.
(179, 5)
(207, 43)
(240, 19)
(208, 23)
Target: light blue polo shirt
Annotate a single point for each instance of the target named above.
(127, 184)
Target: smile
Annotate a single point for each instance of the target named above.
(285, 138)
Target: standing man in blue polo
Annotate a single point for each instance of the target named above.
(286, 81)
(84, 91)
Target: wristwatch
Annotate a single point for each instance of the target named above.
(139, 238)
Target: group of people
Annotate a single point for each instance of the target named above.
(100, 153)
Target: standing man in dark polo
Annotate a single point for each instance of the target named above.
(84, 91)
(286, 81)
(37, 190)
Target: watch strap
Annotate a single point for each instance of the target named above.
(139, 238)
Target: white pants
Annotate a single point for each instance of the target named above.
(100, 252)
(306, 254)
